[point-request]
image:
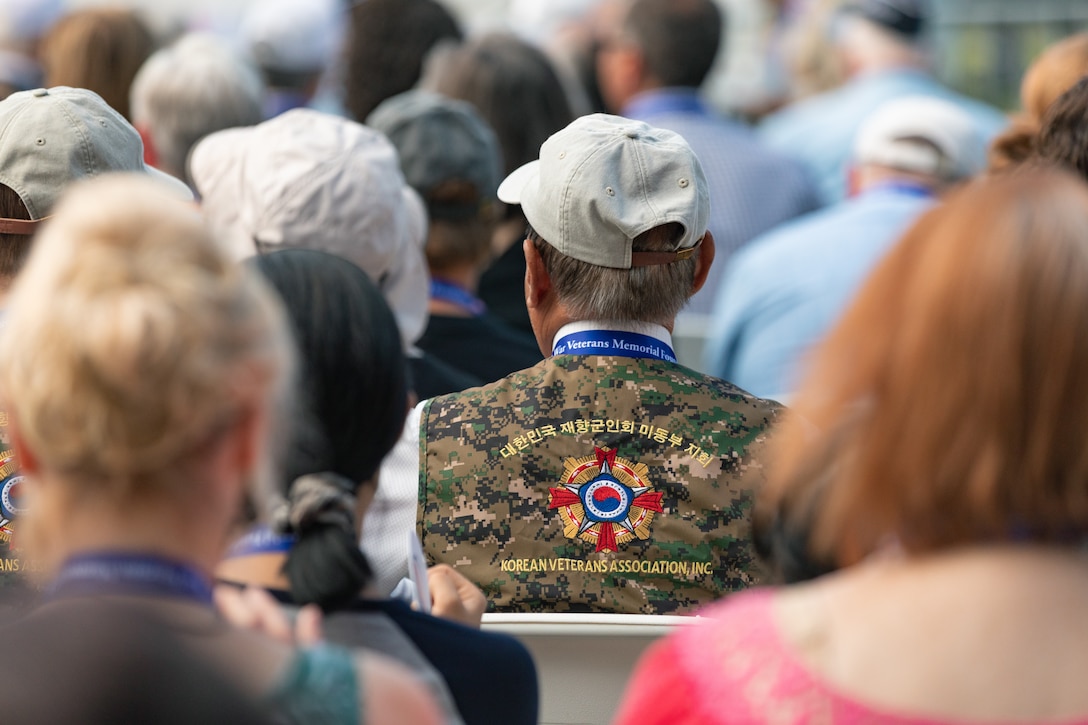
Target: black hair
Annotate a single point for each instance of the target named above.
(679, 39)
(352, 401)
(388, 42)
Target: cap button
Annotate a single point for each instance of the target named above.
(630, 132)
(39, 92)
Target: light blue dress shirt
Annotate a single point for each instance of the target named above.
(820, 131)
(783, 291)
(752, 188)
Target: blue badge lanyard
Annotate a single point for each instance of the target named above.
(619, 343)
(134, 574)
(261, 540)
(455, 294)
(905, 188)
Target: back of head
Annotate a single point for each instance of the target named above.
(50, 139)
(293, 41)
(1063, 134)
(387, 46)
(514, 87)
(881, 34)
(352, 391)
(1054, 72)
(100, 49)
(450, 156)
(189, 89)
(309, 180)
(139, 340)
(352, 400)
(925, 137)
(617, 209)
(945, 407)
(678, 39)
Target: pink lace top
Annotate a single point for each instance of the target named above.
(738, 669)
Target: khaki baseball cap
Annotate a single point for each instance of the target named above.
(602, 181)
(50, 138)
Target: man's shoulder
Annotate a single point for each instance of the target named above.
(568, 387)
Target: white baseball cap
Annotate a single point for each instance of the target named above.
(922, 134)
(311, 180)
(602, 181)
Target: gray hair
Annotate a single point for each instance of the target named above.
(641, 294)
(190, 89)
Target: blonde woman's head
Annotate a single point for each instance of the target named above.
(132, 342)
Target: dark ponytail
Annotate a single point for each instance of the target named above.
(352, 400)
(325, 566)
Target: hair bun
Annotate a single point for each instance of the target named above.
(319, 499)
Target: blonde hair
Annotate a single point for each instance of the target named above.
(947, 406)
(132, 341)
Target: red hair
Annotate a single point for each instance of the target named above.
(948, 406)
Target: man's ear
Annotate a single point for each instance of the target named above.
(28, 463)
(703, 262)
(151, 154)
(538, 284)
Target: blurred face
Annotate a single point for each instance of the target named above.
(619, 69)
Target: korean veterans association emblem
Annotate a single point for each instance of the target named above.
(605, 500)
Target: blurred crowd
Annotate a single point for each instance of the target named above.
(325, 335)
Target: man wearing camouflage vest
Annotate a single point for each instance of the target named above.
(606, 478)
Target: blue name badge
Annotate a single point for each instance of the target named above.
(622, 344)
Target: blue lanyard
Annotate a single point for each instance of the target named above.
(621, 344)
(457, 295)
(905, 188)
(261, 540)
(136, 574)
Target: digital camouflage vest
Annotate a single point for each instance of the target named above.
(595, 484)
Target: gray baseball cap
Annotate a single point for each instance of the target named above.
(439, 140)
(50, 138)
(602, 181)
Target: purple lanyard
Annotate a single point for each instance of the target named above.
(455, 294)
(620, 344)
(135, 574)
